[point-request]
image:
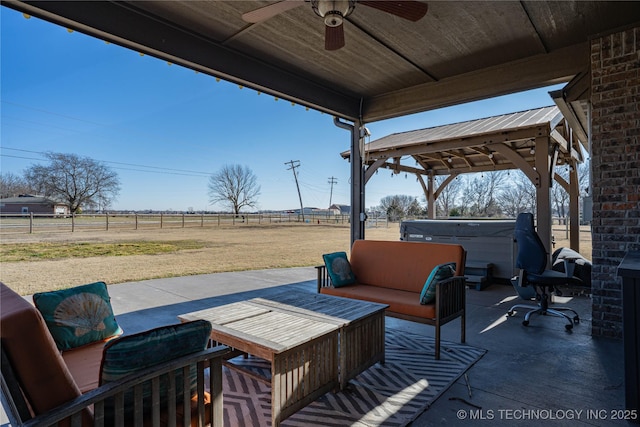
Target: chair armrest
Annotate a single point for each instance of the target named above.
(450, 296)
(323, 278)
(211, 358)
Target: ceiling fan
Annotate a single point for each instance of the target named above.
(334, 12)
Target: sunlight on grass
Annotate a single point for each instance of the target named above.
(50, 251)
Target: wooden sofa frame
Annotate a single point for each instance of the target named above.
(19, 414)
(450, 301)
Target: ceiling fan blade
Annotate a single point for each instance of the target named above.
(271, 10)
(410, 10)
(333, 37)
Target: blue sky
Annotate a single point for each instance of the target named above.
(164, 129)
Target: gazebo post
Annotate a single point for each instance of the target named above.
(543, 191)
(574, 209)
(431, 197)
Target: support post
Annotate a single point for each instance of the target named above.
(357, 180)
(431, 197)
(543, 193)
(574, 209)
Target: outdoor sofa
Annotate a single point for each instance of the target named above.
(144, 379)
(421, 282)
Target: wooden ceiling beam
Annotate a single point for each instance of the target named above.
(528, 73)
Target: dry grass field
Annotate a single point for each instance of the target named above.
(200, 251)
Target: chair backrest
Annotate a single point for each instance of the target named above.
(532, 255)
(39, 369)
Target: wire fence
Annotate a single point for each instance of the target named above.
(34, 223)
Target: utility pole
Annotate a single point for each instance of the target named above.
(293, 164)
(332, 180)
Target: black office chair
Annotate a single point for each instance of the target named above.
(532, 262)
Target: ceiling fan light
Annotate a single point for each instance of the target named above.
(333, 18)
(333, 11)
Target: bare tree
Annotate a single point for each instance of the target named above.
(399, 206)
(77, 181)
(559, 195)
(518, 195)
(448, 197)
(235, 186)
(12, 185)
(479, 196)
(584, 177)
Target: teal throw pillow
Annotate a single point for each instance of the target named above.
(439, 272)
(132, 353)
(339, 269)
(79, 315)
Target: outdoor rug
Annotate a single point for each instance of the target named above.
(393, 394)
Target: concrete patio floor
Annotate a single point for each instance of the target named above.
(529, 376)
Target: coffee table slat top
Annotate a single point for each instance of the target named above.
(230, 313)
(327, 308)
(274, 330)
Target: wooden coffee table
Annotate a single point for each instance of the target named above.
(362, 325)
(303, 352)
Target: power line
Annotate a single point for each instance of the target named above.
(158, 169)
(293, 164)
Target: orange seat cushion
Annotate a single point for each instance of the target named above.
(84, 364)
(399, 301)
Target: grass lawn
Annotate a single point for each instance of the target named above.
(48, 261)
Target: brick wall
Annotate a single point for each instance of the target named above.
(615, 159)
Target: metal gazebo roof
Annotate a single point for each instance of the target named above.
(495, 143)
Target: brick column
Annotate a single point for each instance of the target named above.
(615, 134)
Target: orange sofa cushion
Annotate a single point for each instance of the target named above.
(401, 265)
(399, 301)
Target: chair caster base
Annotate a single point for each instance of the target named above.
(525, 322)
(568, 327)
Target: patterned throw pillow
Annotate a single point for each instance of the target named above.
(132, 353)
(79, 315)
(339, 269)
(439, 272)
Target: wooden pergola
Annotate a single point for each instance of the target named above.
(533, 141)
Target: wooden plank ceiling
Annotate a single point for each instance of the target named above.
(458, 52)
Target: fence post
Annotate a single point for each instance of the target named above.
(218, 220)
(183, 220)
(201, 220)
(161, 218)
(136, 216)
(30, 222)
(73, 222)
(107, 220)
